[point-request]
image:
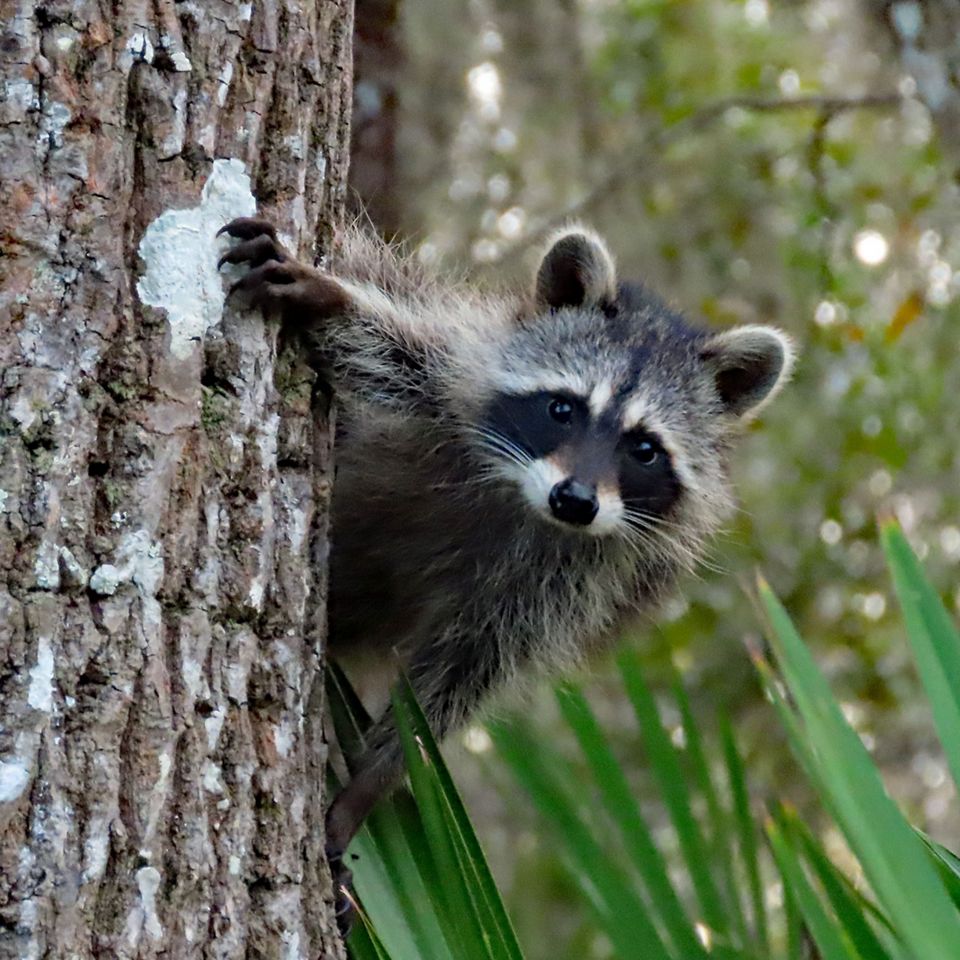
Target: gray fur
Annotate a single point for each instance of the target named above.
(439, 563)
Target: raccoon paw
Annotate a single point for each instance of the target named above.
(258, 244)
(276, 279)
(343, 892)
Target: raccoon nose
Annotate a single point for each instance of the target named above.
(574, 502)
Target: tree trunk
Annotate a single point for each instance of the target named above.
(926, 34)
(164, 481)
(378, 57)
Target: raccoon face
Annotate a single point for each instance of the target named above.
(577, 468)
(609, 410)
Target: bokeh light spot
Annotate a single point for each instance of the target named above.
(871, 247)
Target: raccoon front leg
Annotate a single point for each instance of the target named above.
(371, 354)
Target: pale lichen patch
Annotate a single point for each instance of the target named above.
(22, 410)
(14, 777)
(191, 673)
(40, 693)
(72, 572)
(95, 849)
(291, 941)
(211, 778)
(213, 724)
(178, 59)
(294, 143)
(180, 250)
(255, 593)
(28, 921)
(105, 580)
(226, 75)
(157, 797)
(139, 559)
(139, 49)
(237, 682)
(54, 121)
(908, 19)
(21, 94)
(145, 561)
(144, 917)
(283, 739)
(172, 143)
(46, 566)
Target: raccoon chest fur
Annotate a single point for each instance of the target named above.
(422, 548)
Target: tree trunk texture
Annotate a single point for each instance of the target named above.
(164, 479)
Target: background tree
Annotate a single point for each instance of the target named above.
(926, 35)
(377, 61)
(163, 481)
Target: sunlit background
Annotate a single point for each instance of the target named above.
(752, 161)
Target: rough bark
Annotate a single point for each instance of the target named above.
(163, 481)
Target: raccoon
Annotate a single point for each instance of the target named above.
(518, 477)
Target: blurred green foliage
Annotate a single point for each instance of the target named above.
(747, 882)
(673, 127)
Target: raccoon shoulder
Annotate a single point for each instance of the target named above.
(412, 335)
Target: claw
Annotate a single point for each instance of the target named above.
(256, 279)
(246, 228)
(345, 919)
(344, 906)
(257, 251)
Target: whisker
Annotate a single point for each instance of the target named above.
(690, 557)
(705, 553)
(638, 539)
(684, 553)
(502, 446)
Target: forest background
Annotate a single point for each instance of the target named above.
(753, 162)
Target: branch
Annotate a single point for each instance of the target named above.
(826, 106)
(814, 101)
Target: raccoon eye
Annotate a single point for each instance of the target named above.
(561, 410)
(644, 452)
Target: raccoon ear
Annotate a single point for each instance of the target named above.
(577, 270)
(749, 365)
